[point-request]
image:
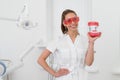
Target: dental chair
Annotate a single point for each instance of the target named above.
(7, 66)
(2, 70)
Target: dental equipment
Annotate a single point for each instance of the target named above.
(7, 65)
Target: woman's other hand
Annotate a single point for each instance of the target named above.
(62, 72)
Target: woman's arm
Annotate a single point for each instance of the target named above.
(89, 58)
(43, 63)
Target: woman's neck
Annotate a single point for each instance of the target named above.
(72, 34)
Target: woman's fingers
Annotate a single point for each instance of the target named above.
(62, 72)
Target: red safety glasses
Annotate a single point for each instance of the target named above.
(70, 20)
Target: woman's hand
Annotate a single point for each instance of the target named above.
(62, 72)
(92, 39)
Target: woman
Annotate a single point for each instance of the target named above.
(72, 52)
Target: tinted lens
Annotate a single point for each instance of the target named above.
(70, 20)
(75, 19)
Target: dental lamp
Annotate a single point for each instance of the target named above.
(23, 20)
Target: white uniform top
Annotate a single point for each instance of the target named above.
(69, 55)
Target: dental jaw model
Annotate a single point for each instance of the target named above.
(93, 32)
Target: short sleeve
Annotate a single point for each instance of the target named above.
(52, 46)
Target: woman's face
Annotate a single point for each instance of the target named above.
(71, 22)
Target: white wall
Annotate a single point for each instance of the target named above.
(107, 47)
(14, 40)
